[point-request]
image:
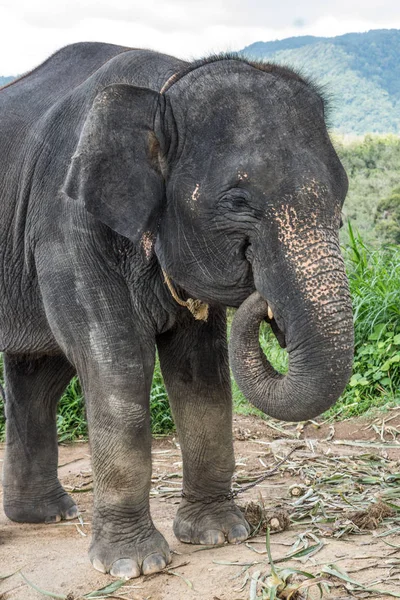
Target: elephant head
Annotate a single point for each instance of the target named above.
(230, 177)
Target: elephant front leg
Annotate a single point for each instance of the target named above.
(125, 542)
(90, 311)
(194, 364)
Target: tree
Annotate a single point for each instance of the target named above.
(387, 218)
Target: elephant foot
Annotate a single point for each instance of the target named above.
(210, 523)
(38, 507)
(148, 553)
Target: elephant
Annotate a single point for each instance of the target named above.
(135, 185)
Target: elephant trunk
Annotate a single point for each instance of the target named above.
(318, 325)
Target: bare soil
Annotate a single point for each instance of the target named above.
(54, 557)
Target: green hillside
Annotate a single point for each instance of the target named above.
(5, 80)
(360, 73)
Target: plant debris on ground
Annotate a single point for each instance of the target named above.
(330, 493)
(342, 489)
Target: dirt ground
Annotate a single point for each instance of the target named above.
(54, 557)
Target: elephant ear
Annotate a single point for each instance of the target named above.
(114, 171)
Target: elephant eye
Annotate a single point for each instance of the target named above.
(235, 198)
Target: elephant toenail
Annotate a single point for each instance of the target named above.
(237, 534)
(98, 565)
(125, 568)
(71, 513)
(153, 564)
(212, 537)
(53, 519)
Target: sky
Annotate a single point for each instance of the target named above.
(31, 30)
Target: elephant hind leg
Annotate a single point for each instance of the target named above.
(32, 492)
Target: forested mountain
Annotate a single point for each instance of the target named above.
(360, 72)
(372, 164)
(5, 80)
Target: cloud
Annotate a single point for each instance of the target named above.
(30, 31)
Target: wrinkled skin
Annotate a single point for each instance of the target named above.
(227, 181)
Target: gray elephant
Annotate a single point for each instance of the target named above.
(120, 166)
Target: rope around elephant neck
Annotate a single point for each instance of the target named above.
(198, 308)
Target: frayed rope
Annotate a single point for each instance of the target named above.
(198, 308)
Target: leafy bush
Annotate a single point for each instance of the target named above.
(372, 164)
(387, 218)
(71, 415)
(374, 277)
(376, 376)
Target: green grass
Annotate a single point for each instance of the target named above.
(374, 276)
(161, 417)
(71, 417)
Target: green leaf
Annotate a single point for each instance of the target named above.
(2, 577)
(303, 552)
(378, 330)
(106, 591)
(336, 572)
(43, 592)
(287, 572)
(355, 379)
(377, 376)
(253, 585)
(358, 379)
(187, 581)
(268, 546)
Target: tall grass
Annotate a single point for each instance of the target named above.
(374, 277)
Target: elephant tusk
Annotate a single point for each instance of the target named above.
(270, 313)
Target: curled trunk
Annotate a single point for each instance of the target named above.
(320, 359)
